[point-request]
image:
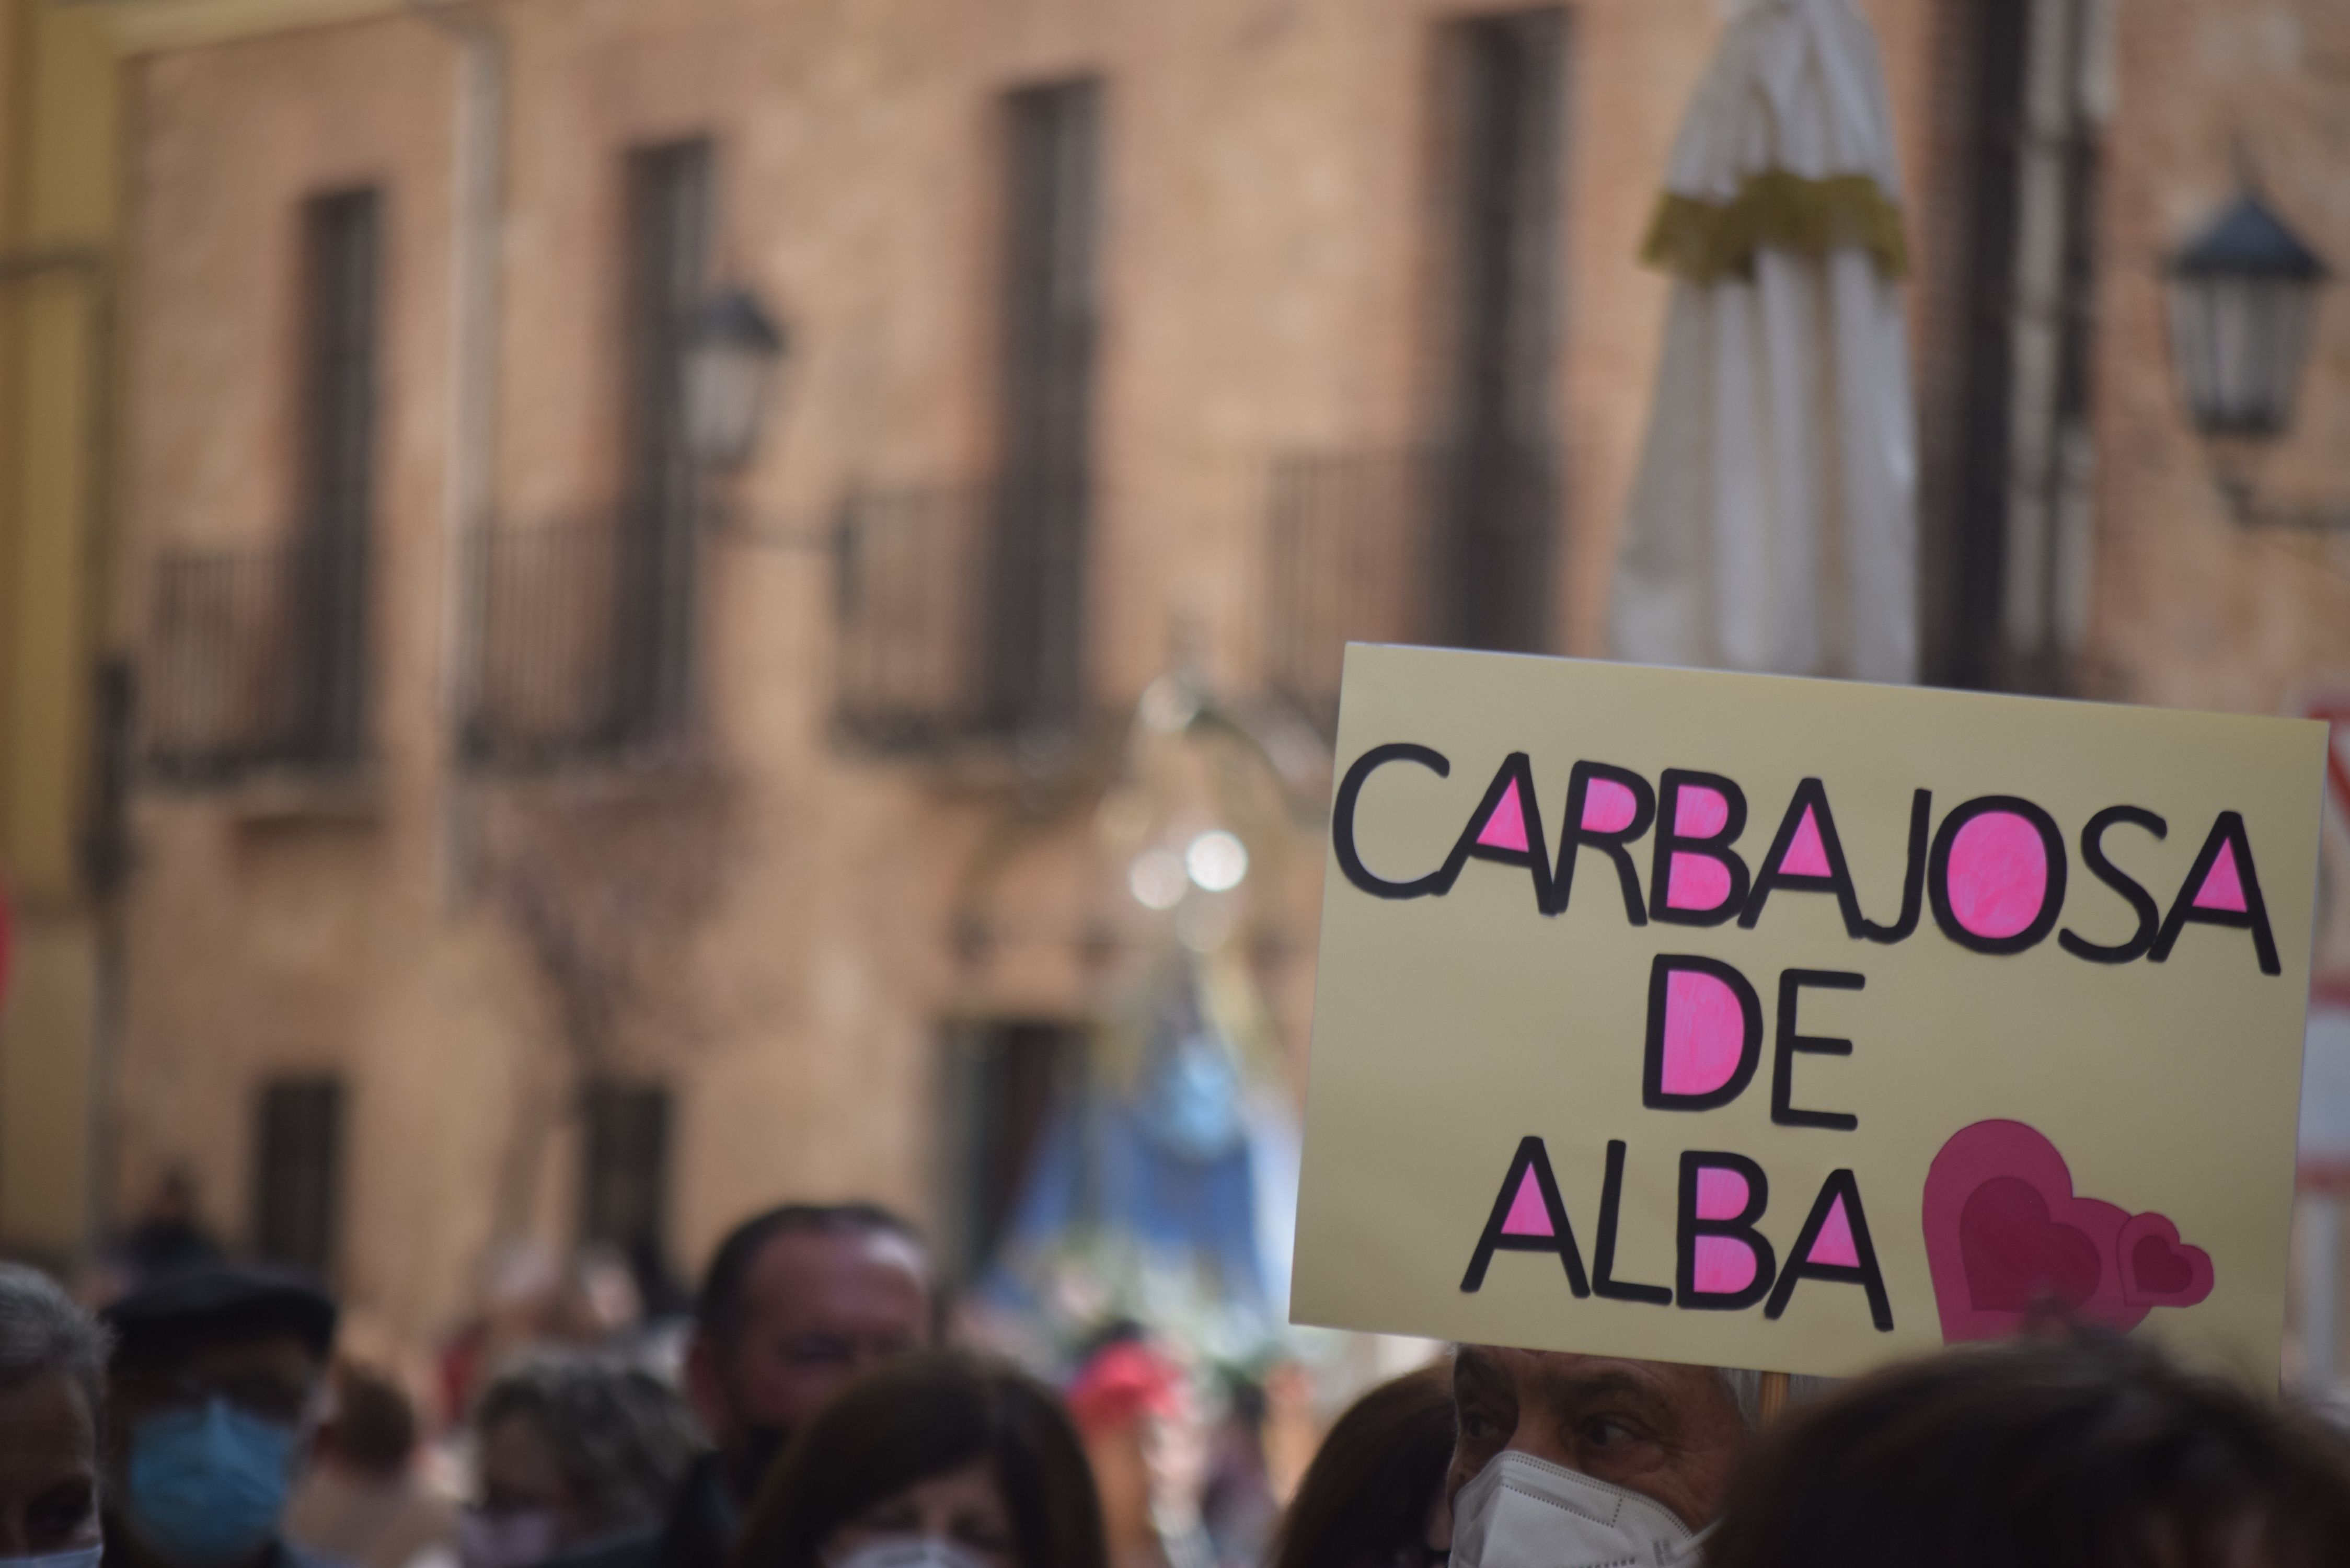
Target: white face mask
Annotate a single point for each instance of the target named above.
(505, 1537)
(908, 1551)
(1525, 1512)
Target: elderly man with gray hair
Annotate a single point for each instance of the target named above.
(1562, 1459)
(52, 1399)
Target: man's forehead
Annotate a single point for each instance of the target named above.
(1571, 1372)
(794, 1261)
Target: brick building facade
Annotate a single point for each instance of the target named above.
(631, 842)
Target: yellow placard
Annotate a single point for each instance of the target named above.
(1800, 1024)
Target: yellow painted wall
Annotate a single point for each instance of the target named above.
(59, 193)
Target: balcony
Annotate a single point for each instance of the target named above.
(581, 643)
(255, 660)
(1451, 546)
(960, 615)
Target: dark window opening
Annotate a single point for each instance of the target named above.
(1002, 1083)
(342, 234)
(1496, 484)
(258, 657)
(624, 1172)
(298, 1181)
(669, 211)
(2059, 484)
(1453, 540)
(1033, 655)
(1987, 342)
(2006, 441)
(344, 241)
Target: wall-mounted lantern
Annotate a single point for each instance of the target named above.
(734, 355)
(2244, 294)
(2241, 293)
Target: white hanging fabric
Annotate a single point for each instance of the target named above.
(1773, 524)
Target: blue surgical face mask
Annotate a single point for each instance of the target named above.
(205, 1484)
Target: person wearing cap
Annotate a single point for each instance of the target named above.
(215, 1382)
(52, 1396)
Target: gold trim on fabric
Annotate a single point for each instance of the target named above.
(1706, 241)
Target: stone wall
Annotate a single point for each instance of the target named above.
(1267, 257)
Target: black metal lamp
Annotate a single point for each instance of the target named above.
(2243, 293)
(734, 354)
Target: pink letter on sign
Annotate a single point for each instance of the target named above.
(1528, 1216)
(1725, 1265)
(1697, 881)
(1806, 855)
(1507, 829)
(1833, 1244)
(1722, 1193)
(1705, 1036)
(1999, 874)
(1700, 811)
(2223, 888)
(1608, 807)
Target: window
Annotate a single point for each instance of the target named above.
(1993, 166)
(342, 237)
(668, 245)
(297, 1184)
(1494, 486)
(1034, 653)
(624, 1169)
(1002, 1083)
(2011, 522)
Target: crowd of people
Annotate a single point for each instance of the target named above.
(202, 1420)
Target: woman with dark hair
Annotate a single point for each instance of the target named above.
(939, 1459)
(2080, 1450)
(1374, 1495)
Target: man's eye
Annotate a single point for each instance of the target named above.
(1476, 1426)
(59, 1512)
(1602, 1433)
(271, 1398)
(895, 1516)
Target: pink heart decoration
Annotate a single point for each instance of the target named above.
(2016, 1255)
(2158, 1268)
(2006, 1238)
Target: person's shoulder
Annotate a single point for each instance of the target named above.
(632, 1549)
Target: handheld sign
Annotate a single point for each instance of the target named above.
(1800, 1024)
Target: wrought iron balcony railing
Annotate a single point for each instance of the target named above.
(1453, 547)
(582, 642)
(255, 659)
(962, 615)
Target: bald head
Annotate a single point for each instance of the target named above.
(1670, 1432)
